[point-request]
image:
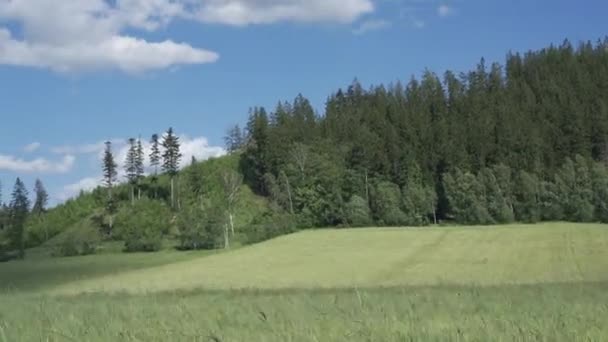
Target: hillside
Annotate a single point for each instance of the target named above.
(86, 215)
(526, 141)
(519, 254)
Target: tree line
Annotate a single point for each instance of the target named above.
(524, 141)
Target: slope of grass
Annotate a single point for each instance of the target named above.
(525, 283)
(518, 254)
(41, 273)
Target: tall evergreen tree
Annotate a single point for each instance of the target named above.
(18, 211)
(234, 139)
(109, 180)
(139, 166)
(154, 160)
(130, 165)
(41, 200)
(171, 158)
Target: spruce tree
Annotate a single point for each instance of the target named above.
(234, 139)
(109, 180)
(42, 198)
(171, 158)
(18, 211)
(139, 166)
(131, 167)
(154, 159)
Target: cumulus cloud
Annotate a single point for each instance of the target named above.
(69, 36)
(29, 148)
(39, 165)
(117, 52)
(85, 35)
(371, 25)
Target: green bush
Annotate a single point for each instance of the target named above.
(270, 225)
(143, 225)
(386, 204)
(200, 228)
(82, 239)
(357, 212)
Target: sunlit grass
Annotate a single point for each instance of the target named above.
(546, 282)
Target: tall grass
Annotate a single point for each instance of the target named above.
(566, 312)
(512, 283)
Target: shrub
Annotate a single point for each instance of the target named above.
(82, 239)
(386, 201)
(143, 225)
(200, 228)
(270, 225)
(357, 212)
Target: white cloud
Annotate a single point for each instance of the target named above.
(29, 148)
(444, 11)
(246, 12)
(83, 35)
(87, 35)
(371, 25)
(72, 190)
(39, 165)
(116, 52)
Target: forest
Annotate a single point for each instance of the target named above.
(523, 141)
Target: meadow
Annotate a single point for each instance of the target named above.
(546, 282)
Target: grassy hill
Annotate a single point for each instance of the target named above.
(543, 282)
(518, 254)
(198, 182)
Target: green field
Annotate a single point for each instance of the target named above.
(545, 282)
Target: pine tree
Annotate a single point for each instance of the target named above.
(109, 180)
(154, 159)
(139, 166)
(42, 198)
(40, 203)
(18, 211)
(131, 167)
(234, 139)
(171, 158)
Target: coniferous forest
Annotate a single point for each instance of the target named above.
(523, 141)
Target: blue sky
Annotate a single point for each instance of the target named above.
(76, 73)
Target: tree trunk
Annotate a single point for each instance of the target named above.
(172, 195)
(226, 240)
(138, 193)
(435, 216)
(132, 195)
(179, 203)
(289, 194)
(366, 188)
(231, 223)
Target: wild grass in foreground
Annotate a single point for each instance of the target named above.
(559, 312)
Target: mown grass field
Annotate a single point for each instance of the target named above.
(546, 282)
